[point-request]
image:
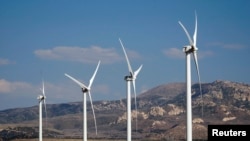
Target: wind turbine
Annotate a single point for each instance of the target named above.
(86, 90)
(190, 49)
(130, 78)
(41, 99)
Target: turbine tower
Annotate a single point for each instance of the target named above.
(86, 90)
(41, 99)
(188, 50)
(130, 78)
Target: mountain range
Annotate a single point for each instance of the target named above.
(160, 115)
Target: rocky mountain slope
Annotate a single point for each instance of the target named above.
(161, 113)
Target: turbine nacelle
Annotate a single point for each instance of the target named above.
(85, 90)
(189, 49)
(41, 97)
(133, 76)
(129, 78)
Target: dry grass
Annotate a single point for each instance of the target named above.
(44, 139)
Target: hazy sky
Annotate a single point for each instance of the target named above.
(47, 38)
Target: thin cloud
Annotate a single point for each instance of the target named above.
(132, 54)
(78, 54)
(54, 92)
(5, 61)
(174, 53)
(10, 87)
(229, 46)
(179, 54)
(70, 93)
(233, 46)
(204, 54)
(102, 88)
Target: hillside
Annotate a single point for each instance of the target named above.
(161, 114)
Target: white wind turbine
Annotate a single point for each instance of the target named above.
(41, 99)
(129, 78)
(190, 49)
(86, 90)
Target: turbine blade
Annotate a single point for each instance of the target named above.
(129, 66)
(195, 31)
(43, 91)
(137, 71)
(93, 77)
(133, 82)
(76, 81)
(189, 38)
(90, 98)
(135, 104)
(45, 108)
(198, 73)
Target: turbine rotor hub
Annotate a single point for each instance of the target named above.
(128, 78)
(84, 90)
(41, 97)
(189, 49)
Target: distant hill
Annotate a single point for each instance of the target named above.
(161, 113)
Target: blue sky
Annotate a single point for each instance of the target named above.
(45, 39)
